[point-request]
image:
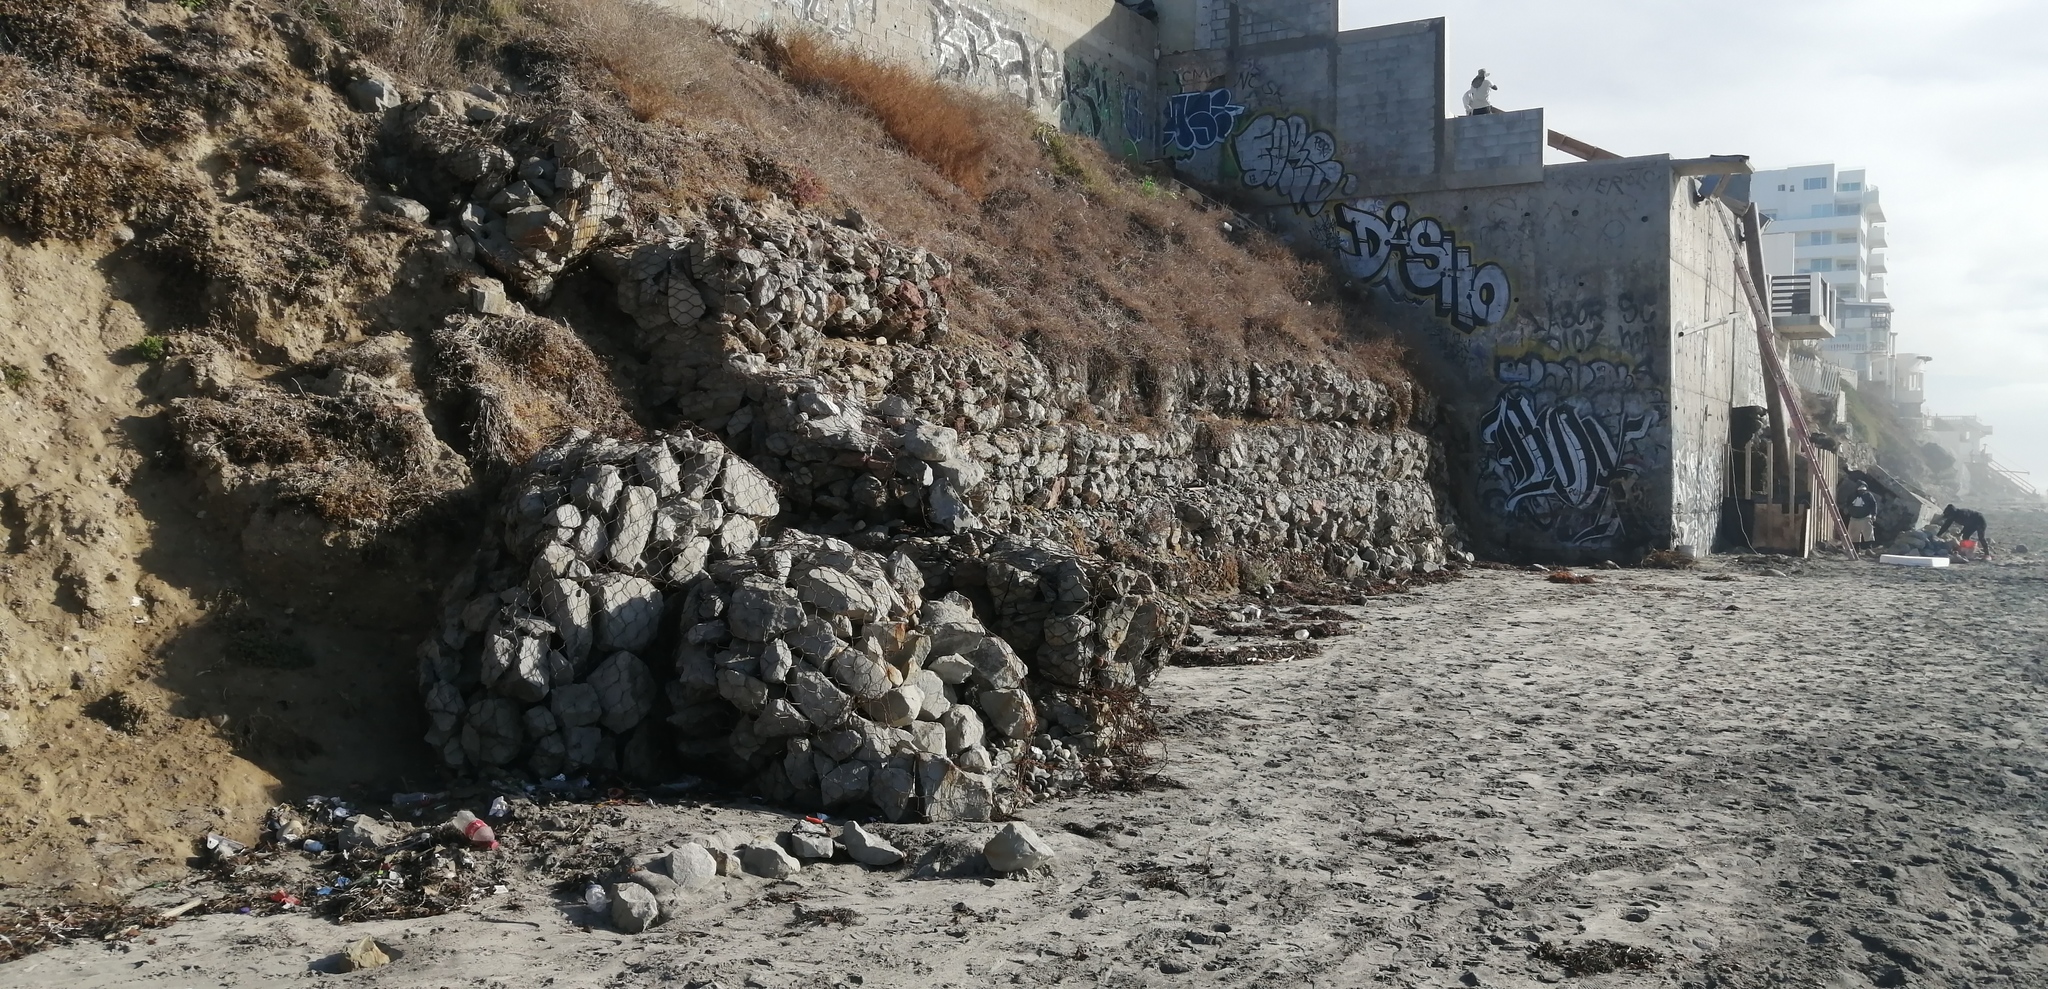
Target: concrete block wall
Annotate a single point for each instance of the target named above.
(1574, 329)
(1390, 97)
(1039, 51)
(1497, 140)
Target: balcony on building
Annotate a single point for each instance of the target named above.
(1803, 307)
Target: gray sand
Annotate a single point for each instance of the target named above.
(1826, 779)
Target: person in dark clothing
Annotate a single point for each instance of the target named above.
(1971, 523)
(1861, 512)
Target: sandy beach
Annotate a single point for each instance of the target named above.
(1827, 778)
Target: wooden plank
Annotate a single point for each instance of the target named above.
(1579, 149)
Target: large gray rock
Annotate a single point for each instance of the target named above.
(576, 705)
(862, 675)
(952, 669)
(845, 784)
(659, 470)
(1010, 712)
(566, 606)
(493, 732)
(583, 746)
(823, 703)
(769, 862)
(776, 662)
(634, 907)
(373, 93)
(814, 639)
(928, 737)
(760, 611)
(893, 789)
(781, 719)
(625, 690)
(631, 529)
(963, 728)
(835, 593)
(628, 611)
(899, 707)
(867, 848)
(748, 491)
(951, 794)
(932, 690)
(692, 866)
(596, 488)
(932, 442)
(996, 664)
(742, 691)
(1017, 848)
(540, 723)
(810, 846)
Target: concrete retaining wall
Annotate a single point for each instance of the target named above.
(1085, 65)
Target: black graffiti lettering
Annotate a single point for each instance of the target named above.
(1550, 461)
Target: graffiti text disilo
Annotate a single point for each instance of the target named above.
(1431, 262)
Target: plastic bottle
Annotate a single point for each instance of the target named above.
(475, 829)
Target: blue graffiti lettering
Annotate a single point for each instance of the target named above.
(1198, 121)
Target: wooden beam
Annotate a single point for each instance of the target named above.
(1579, 149)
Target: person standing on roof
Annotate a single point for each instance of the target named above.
(1477, 99)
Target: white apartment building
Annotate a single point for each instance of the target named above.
(1828, 223)
(1834, 222)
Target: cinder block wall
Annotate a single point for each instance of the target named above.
(1085, 65)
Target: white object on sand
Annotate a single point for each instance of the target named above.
(1914, 561)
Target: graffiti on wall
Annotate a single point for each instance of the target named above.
(1199, 121)
(1256, 86)
(1099, 102)
(1567, 443)
(1289, 156)
(1384, 243)
(972, 45)
(1137, 117)
(840, 17)
(1085, 106)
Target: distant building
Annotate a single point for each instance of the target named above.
(1828, 224)
(1834, 222)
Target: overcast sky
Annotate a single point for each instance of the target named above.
(1945, 103)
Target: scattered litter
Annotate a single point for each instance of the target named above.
(475, 829)
(220, 848)
(1568, 577)
(499, 809)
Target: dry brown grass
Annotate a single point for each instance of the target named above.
(1057, 246)
(363, 458)
(523, 382)
(943, 126)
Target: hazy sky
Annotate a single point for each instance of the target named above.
(1945, 103)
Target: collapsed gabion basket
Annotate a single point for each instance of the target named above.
(626, 614)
